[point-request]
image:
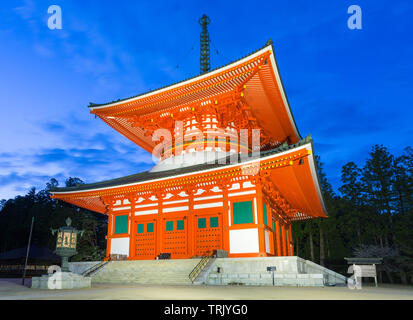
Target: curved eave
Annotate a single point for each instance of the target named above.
(283, 93)
(181, 83)
(315, 178)
(299, 184)
(106, 111)
(314, 172)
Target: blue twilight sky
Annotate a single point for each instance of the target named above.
(349, 89)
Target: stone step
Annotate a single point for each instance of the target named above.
(290, 271)
(173, 272)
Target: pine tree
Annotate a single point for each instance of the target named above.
(378, 178)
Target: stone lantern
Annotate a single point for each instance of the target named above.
(62, 278)
(66, 243)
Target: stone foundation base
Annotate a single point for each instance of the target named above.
(61, 280)
(289, 271)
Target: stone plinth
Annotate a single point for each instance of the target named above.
(61, 280)
(290, 271)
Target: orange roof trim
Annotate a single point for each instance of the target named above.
(296, 180)
(256, 78)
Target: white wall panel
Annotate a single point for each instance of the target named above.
(175, 209)
(119, 246)
(141, 213)
(208, 205)
(243, 241)
(267, 241)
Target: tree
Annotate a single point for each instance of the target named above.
(371, 215)
(378, 177)
(16, 214)
(329, 201)
(351, 190)
(73, 182)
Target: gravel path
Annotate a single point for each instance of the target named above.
(11, 289)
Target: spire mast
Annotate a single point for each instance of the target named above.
(205, 48)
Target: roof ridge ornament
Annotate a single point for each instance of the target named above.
(205, 47)
(308, 138)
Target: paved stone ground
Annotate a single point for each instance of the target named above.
(11, 289)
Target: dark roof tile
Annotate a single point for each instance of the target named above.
(91, 105)
(147, 176)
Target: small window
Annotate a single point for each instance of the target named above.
(201, 223)
(121, 224)
(213, 222)
(180, 225)
(149, 227)
(264, 210)
(169, 225)
(242, 212)
(140, 228)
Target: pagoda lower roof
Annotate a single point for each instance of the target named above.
(149, 176)
(298, 184)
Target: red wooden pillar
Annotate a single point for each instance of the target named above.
(284, 239)
(269, 227)
(291, 241)
(260, 222)
(287, 227)
(225, 218)
(278, 236)
(132, 230)
(191, 234)
(159, 225)
(109, 236)
(272, 243)
(107, 201)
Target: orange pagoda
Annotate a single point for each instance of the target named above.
(233, 171)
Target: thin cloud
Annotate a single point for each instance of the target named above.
(347, 89)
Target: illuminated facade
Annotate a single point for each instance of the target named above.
(207, 192)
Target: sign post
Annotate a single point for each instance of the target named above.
(272, 269)
(363, 267)
(28, 250)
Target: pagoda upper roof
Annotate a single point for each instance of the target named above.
(256, 77)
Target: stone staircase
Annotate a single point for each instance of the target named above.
(330, 277)
(154, 272)
(290, 271)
